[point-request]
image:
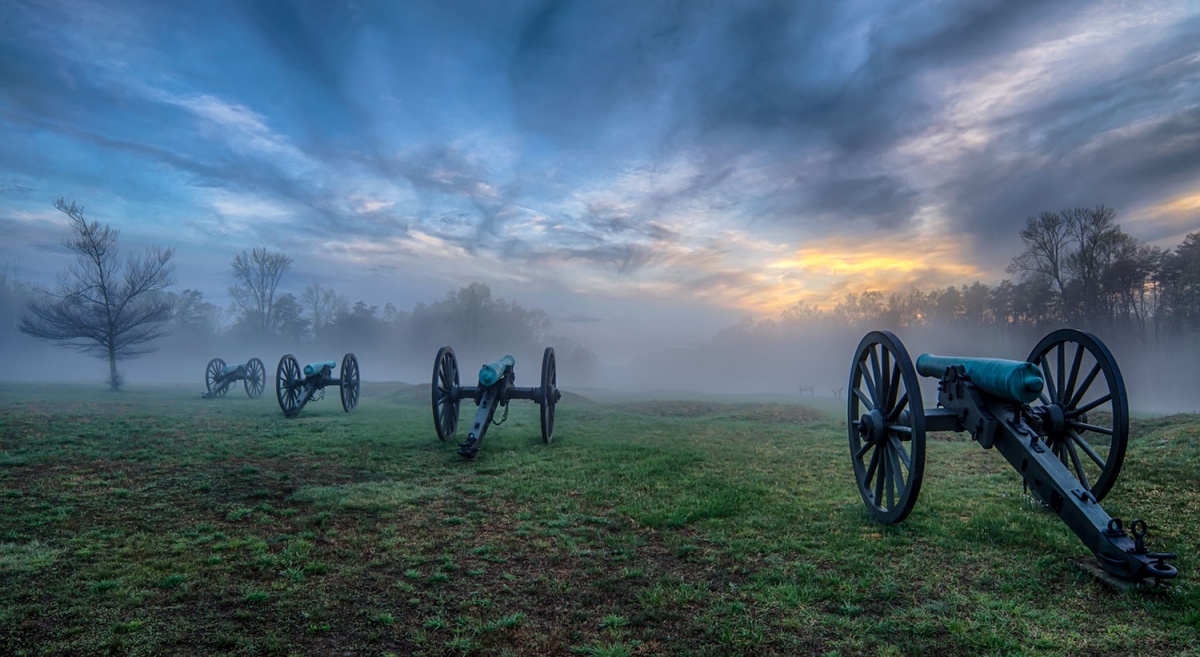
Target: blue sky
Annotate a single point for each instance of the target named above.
(653, 170)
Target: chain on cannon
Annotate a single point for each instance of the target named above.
(495, 389)
(218, 377)
(1060, 418)
(296, 387)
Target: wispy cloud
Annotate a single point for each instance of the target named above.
(741, 156)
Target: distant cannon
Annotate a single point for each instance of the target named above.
(218, 377)
(1060, 418)
(295, 387)
(495, 389)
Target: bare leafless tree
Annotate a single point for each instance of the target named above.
(258, 273)
(1047, 239)
(324, 306)
(99, 307)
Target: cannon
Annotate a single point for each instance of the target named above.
(218, 377)
(1060, 418)
(295, 387)
(495, 389)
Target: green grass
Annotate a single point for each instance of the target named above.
(153, 522)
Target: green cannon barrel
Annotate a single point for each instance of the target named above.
(313, 368)
(491, 373)
(230, 369)
(1013, 380)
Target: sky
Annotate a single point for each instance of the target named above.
(647, 172)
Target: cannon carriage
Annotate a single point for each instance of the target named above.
(495, 389)
(219, 376)
(296, 387)
(1060, 418)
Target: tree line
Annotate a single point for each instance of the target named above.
(117, 309)
(1077, 268)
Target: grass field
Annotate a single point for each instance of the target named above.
(153, 522)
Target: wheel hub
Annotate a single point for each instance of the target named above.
(1054, 421)
(872, 427)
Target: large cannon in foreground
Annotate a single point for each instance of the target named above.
(495, 389)
(218, 377)
(295, 387)
(1060, 418)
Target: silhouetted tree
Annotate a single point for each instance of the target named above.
(1180, 278)
(975, 304)
(359, 324)
(194, 316)
(469, 308)
(287, 318)
(1047, 241)
(258, 273)
(99, 307)
(324, 306)
(1096, 240)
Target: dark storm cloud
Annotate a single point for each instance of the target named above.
(783, 80)
(884, 200)
(1121, 142)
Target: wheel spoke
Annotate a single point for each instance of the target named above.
(871, 470)
(1083, 387)
(899, 428)
(1050, 387)
(1078, 465)
(1090, 405)
(1062, 367)
(1087, 449)
(866, 402)
(866, 377)
(1089, 427)
(893, 390)
(891, 417)
(901, 453)
(877, 379)
(1078, 360)
(862, 451)
(889, 479)
(885, 381)
(880, 478)
(898, 472)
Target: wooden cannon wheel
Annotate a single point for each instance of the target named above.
(256, 377)
(349, 382)
(288, 385)
(445, 393)
(548, 396)
(886, 426)
(1085, 416)
(212, 374)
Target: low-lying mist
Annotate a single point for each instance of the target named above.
(777, 362)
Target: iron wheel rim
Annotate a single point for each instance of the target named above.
(256, 377)
(349, 382)
(444, 392)
(549, 395)
(884, 384)
(211, 374)
(287, 385)
(1091, 407)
